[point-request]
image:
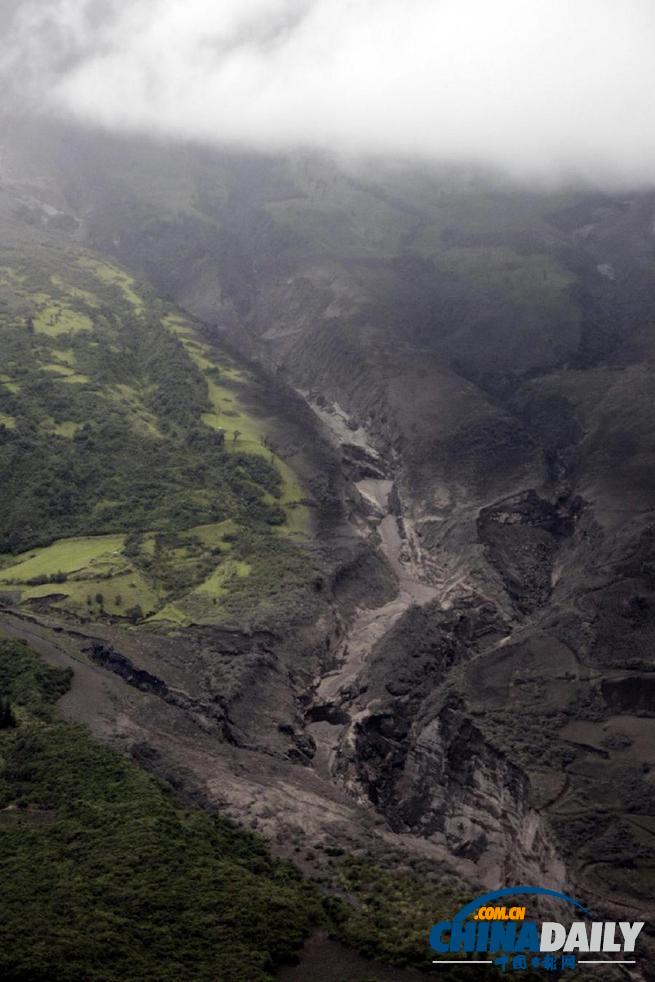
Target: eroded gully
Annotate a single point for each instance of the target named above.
(339, 701)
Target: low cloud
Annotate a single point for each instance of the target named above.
(542, 88)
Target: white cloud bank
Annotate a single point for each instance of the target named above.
(538, 87)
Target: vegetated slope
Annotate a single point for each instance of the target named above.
(107, 877)
(135, 476)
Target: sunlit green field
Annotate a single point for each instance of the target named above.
(68, 556)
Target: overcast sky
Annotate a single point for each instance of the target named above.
(539, 87)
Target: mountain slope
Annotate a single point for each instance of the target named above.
(135, 469)
(107, 877)
(494, 348)
(480, 358)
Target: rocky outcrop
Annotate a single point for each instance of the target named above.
(415, 752)
(444, 780)
(210, 716)
(521, 535)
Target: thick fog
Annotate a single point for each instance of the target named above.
(543, 88)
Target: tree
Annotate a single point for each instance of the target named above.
(135, 613)
(7, 718)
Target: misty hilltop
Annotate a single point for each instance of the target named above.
(548, 91)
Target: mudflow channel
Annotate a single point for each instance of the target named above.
(338, 703)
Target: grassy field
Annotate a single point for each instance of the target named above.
(68, 556)
(53, 319)
(97, 597)
(114, 277)
(218, 581)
